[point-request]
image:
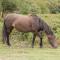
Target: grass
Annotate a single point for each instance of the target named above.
(7, 53)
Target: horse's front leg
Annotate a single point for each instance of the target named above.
(33, 40)
(40, 36)
(41, 43)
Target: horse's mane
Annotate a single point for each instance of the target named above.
(47, 28)
(43, 25)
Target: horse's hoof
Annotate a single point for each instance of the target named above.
(9, 45)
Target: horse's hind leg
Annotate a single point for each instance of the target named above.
(8, 43)
(41, 43)
(8, 33)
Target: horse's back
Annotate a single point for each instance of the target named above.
(22, 22)
(17, 18)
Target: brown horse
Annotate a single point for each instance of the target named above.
(27, 23)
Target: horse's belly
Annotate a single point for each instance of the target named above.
(23, 27)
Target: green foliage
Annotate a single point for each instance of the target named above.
(32, 6)
(54, 6)
(8, 6)
(26, 7)
(39, 6)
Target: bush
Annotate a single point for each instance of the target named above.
(8, 6)
(54, 7)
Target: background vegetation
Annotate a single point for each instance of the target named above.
(26, 6)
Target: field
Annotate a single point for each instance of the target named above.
(21, 50)
(29, 54)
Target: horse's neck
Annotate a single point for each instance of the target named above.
(47, 29)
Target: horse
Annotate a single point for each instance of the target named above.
(27, 23)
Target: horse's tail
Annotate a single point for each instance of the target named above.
(4, 32)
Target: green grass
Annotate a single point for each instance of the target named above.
(7, 53)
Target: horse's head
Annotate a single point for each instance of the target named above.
(50, 35)
(52, 40)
